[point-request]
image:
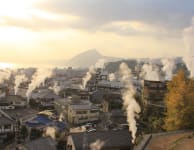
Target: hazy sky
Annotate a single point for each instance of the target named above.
(35, 31)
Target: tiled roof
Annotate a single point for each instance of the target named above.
(111, 139)
(46, 143)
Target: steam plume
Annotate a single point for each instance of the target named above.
(4, 75)
(188, 36)
(130, 104)
(97, 145)
(168, 67)
(18, 80)
(150, 72)
(50, 131)
(87, 77)
(100, 63)
(56, 88)
(112, 77)
(61, 117)
(92, 70)
(37, 79)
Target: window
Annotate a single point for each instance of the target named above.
(69, 147)
(81, 112)
(94, 111)
(7, 126)
(83, 118)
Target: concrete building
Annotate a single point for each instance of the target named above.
(153, 96)
(154, 93)
(82, 113)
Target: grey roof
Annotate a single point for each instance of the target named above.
(45, 94)
(22, 113)
(111, 139)
(5, 121)
(46, 143)
(118, 113)
(11, 98)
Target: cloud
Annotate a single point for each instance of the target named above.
(159, 18)
(40, 20)
(136, 28)
(163, 13)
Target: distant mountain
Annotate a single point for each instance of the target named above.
(88, 58)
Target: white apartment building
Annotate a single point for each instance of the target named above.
(82, 113)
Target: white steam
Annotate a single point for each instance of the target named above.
(188, 36)
(4, 75)
(92, 70)
(56, 88)
(18, 80)
(50, 131)
(61, 117)
(37, 79)
(130, 104)
(97, 145)
(150, 72)
(100, 63)
(168, 68)
(111, 77)
(87, 77)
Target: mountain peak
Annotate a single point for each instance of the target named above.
(91, 52)
(87, 58)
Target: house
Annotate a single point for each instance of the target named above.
(45, 119)
(12, 102)
(22, 114)
(43, 99)
(104, 140)
(6, 126)
(44, 143)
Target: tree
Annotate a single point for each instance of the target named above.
(180, 103)
(24, 132)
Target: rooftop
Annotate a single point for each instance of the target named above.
(22, 113)
(179, 140)
(45, 143)
(110, 139)
(4, 120)
(11, 98)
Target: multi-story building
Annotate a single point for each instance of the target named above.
(82, 113)
(153, 96)
(154, 93)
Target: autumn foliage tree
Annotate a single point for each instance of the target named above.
(180, 103)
